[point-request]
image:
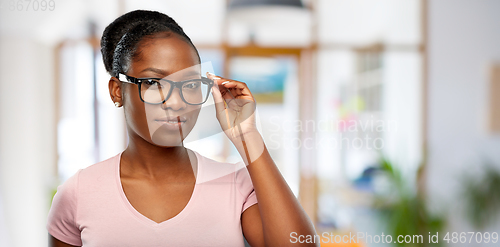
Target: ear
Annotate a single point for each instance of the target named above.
(115, 90)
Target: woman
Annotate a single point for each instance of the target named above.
(156, 192)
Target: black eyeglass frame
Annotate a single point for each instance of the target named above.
(174, 84)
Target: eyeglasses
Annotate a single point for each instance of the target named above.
(157, 90)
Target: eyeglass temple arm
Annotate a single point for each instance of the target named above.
(125, 78)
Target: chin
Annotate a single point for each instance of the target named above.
(164, 135)
(166, 131)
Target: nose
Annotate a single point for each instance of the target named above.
(174, 102)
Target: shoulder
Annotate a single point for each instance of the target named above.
(212, 170)
(66, 192)
(92, 173)
(100, 171)
(99, 167)
(61, 221)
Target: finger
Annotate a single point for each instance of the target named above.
(231, 100)
(218, 98)
(234, 84)
(236, 94)
(237, 100)
(220, 108)
(218, 82)
(226, 94)
(219, 101)
(213, 77)
(240, 89)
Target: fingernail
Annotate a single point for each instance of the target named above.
(213, 76)
(224, 82)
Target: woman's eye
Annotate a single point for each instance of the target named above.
(151, 82)
(192, 85)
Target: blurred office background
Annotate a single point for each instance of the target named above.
(383, 115)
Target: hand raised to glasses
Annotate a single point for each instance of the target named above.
(235, 107)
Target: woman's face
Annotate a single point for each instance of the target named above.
(170, 58)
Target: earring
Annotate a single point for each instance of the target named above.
(117, 104)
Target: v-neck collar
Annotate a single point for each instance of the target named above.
(146, 220)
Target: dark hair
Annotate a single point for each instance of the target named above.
(120, 38)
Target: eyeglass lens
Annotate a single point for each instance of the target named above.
(155, 91)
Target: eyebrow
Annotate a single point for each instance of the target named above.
(164, 73)
(160, 72)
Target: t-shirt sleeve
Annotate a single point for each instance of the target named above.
(245, 186)
(61, 222)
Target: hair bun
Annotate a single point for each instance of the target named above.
(124, 24)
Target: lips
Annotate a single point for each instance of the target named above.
(173, 121)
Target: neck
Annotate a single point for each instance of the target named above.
(145, 159)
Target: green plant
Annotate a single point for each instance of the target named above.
(404, 208)
(482, 196)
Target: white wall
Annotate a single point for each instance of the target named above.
(361, 22)
(464, 38)
(27, 143)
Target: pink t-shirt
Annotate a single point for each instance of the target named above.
(90, 209)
